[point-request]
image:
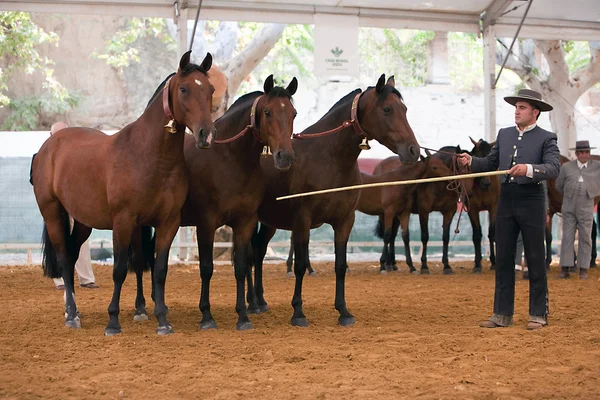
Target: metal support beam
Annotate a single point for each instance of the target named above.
(489, 72)
(181, 18)
(493, 12)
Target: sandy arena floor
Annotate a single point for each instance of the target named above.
(415, 337)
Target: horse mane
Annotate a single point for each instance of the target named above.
(277, 91)
(188, 69)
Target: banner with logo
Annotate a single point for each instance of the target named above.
(336, 45)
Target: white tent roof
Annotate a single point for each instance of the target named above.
(547, 19)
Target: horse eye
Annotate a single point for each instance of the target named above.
(267, 113)
(182, 90)
(387, 110)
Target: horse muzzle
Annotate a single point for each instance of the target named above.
(205, 137)
(283, 159)
(409, 153)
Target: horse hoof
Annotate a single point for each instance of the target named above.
(592, 265)
(394, 267)
(164, 330)
(314, 273)
(383, 271)
(424, 271)
(244, 326)
(477, 270)
(301, 322)
(109, 331)
(448, 271)
(74, 323)
(346, 321)
(290, 274)
(415, 272)
(212, 324)
(493, 267)
(140, 317)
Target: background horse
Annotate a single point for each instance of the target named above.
(483, 197)
(326, 160)
(393, 203)
(136, 176)
(555, 199)
(429, 197)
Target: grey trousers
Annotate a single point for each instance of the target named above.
(578, 215)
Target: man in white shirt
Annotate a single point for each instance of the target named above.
(579, 181)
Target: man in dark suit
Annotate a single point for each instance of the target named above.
(531, 155)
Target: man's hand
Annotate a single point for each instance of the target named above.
(464, 159)
(518, 170)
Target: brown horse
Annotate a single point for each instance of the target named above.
(429, 197)
(326, 160)
(483, 197)
(555, 199)
(135, 177)
(227, 183)
(394, 203)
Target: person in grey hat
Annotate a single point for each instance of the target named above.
(531, 155)
(579, 181)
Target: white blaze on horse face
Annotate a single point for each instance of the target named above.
(282, 105)
(198, 82)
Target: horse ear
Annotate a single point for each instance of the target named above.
(391, 81)
(458, 149)
(293, 86)
(473, 141)
(185, 59)
(207, 62)
(422, 158)
(380, 83)
(269, 83)
(428, 153)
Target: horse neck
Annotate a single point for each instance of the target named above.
(341, 146)
(148, 137)
(246, 149)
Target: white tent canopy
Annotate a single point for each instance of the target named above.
(546, 19)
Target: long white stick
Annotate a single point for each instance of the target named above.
(395, 183)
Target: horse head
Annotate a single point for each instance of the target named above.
(383, 118)
(191, 99)
(275, 115)
(482, 148)
(434, 166)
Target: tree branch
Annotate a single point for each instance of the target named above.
(585, 78)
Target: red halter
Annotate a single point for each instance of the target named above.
(251, 127)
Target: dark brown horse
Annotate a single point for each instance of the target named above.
(135, 177)
(483, 197)
(227, 183)
(393, 203)
(429, 197)
(555, 199)
(323, 161)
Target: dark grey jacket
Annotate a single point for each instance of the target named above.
(537, 147)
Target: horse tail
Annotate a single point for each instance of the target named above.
(148, 244)
(49, 256)
(378, 231)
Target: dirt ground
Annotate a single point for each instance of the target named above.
(415, 337)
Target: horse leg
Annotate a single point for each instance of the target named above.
(138, 265)
(477, 235)
(242, 234)
(122, 233)
(392, 256)
(290, 260)
(341, 236)
(164, 237)
(406, 239)
(388, 220)
(205, 239)
(301, 238)
(424, 220)
(594, 250)
(492, 238)
(447, 222)
(79, 235)
(260, 242)
(379, 230)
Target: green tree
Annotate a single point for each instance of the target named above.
(19, 39)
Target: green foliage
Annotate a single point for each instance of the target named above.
(577, 54)
(465, 61)
(121, 50)
(401, 53)
(19, 39)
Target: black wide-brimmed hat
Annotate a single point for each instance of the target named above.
(530, 96)
(582, 145)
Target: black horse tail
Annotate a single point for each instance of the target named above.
(378, 231)
(148, 247)
(49, 257)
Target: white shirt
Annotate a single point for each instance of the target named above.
(581, 166)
